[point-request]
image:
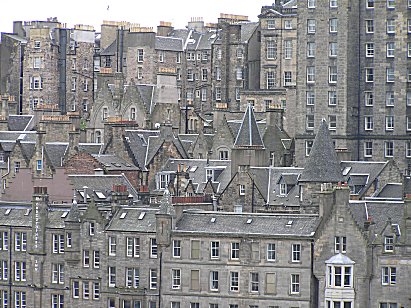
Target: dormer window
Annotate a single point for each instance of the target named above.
(389, 243)
(210, 174)
(283, 189)
(163, 180)
(92, 228)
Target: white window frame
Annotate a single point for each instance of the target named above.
(389, 122)
(311, 46)
(368, 148)
(389, 148)
(214, 250)
(333, 25)
(368, 122)
(296, 252)
(311, 26)
(388, 275)
(390, 49)
(332, 98)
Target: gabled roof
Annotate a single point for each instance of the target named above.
(19, 122)
(169, 43)
(249, 135)
(247, 30)
(322, 166)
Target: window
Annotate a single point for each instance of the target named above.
(153, 248)
(92, 228)
(339, 276)
(390, 74)
(36, 83)
(369, 50)
(288, 79)
(390, 26)
(132, 277)
(409, 98)
(283, 188)
(163, 181)
(388, 305)
(270, 252)
(140, 73)
(96, 290)
(58, 243)
(4, 271)
(370, 4)
(271, 50)
(409, 25)
(389, 98)
(57, 273)
(311, 4)
(20, 299)
(175, 304)
(161, 56)
(369, 26)
(332, 98)
(235, 251)
(20, 271)
(214, 281)
(332, 122)
(20, 241)
(36, 62)
(96, 258)
(288, 24)
(153, 278)
(86, 258)
(213, 306)
(85, 85)
(239, 53)
(85, 104)
(176, 248)
(37, 44)
(310, 74)
(310, 26)
(369, 74)
(223, 155)
(288, 49)
(310, 98)
(204, 74)
(295, 283)
(194, 305)
(332, 49)
(178, 57)
(389, 275)
(333, 25)
(195, 249)
(133, 247)
(254, 282)
(310, 49)
(308, 147)
(332, 74)
(408, 147)
(239, 73)
(132, 113)
(16, 167)
(369, 98)
(271, 24)
(112, 246)
(218, 93)
(195, 280)
(296, 252)
(368, 123)
(234, 281)
(76, 289)
(111, 276)
(333, 3)
(389, 148)
(86, 289)
(408, 123)
(190, 75)
(176, 278)
(390, 4)
(340, 244)
(310, 122)
(218, 73)
(215, 249)
(39, 165)
(389, 122)
(389, 243)
(270, 79)
(390, 49)
(140, 55)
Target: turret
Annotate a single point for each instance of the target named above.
(165, 220)
(72, 226)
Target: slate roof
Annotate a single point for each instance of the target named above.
(146, 94)
(391, 190)
(290, 4)
(138, 144)
(339, 259)
(114, 163)
(247, 30)
(234, 224)
(14, 135)
(131, 221)
(16, 216)
(169, 43)
(248, 135)
(322, 166)
(28, 148)
(19, 122)
(206, 40)
(91, 148)
(55, 152)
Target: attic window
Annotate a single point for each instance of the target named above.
(346, 170)
(289, 223)
(193, 169)
(7, 212)
(141, 216)
(123, 215)
(213, 219)
(100, 195)
(249, 220)
(64, 215)
(27, 212)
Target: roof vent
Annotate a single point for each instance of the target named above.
(289, 223)
(7, 212)
(64, 215)
(27, 212)
(212, 219)
(141, 216)
(123, 215)
(249, 220)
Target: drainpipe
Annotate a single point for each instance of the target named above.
(159, 280)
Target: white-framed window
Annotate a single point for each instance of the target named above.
(254, 282)
(85, 85)
(270, 79)
(76, 289)
(153, 248)
(214, 281)
(140, 55)
(36, 83)
(176, 248)
(389, 98)
(20, 299)
(57, 300)
(112, 245)
(178, 57)
(223, 154)
(37, 44)
(58, 243)
(190, 75)
(234, 281)
(140, 72)
(332, 122)
(204, 74)
(163, 180)
(311, 4)
(408, 123)
(85, 104)
(96, 258)
(390, 49)
(37, 62)
(369, 50)
(288, 49)
(332, 49)
(333, 23)
(235, 251)
(133, 113)
(390, 26)
(176, 278)
(388, 275)
(369, 98)
(310, 95)
(91, 228)
(133, 247)
(390, 74)
(391, 4)
(310, 49)
(389, 122)
(409, 25)
(369, 26)
(368, 149)
(369, 74)
(408, 98)
(239, 53)
(311, 26)
(57, 270)
(389, 148)
(288, 24)
(17, 167)
(96, 291)
(388, 305)
(332, 98)
(153, 278)
(175, 305)
(288, 78)
(332, 74)
(239, 73)
(310, 122)
(296, 252)
(340, 244)
(203, 94)
(368, 123)
(161, 56)
(20, 241)
(295, 284)
(86, 258)
(20, 271)
(210, 175)
(339, 276)
(407, 145)
(4, 271)
(308, 147)
(283, 186)
(333, 4)
(112, 276)
(271, 253)
(241, 190)
(310, 74)
(271, 50)
(218, 93)
(388, 243)
(214, 250)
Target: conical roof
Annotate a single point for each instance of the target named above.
(249, 135)
(322, 165)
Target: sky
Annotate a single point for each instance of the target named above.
(148, 13)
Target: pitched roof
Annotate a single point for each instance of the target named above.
(19, 122)
(249, 135)
(169, 43)
(322, 166)
(131, 219)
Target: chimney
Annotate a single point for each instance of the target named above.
(120, 195)
(165, 28)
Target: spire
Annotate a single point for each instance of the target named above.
(74, 213)
(249, 135)
(322, 165)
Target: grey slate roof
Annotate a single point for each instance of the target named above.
(138, 143)
(247, 30)
(250, 224)
(55, 152)
(114, 163)
(19, 122)
(14, 135)
(249, 135)
(91, 148)
(322, 166)
(391, 190)
(131, 221)
(169, 43)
